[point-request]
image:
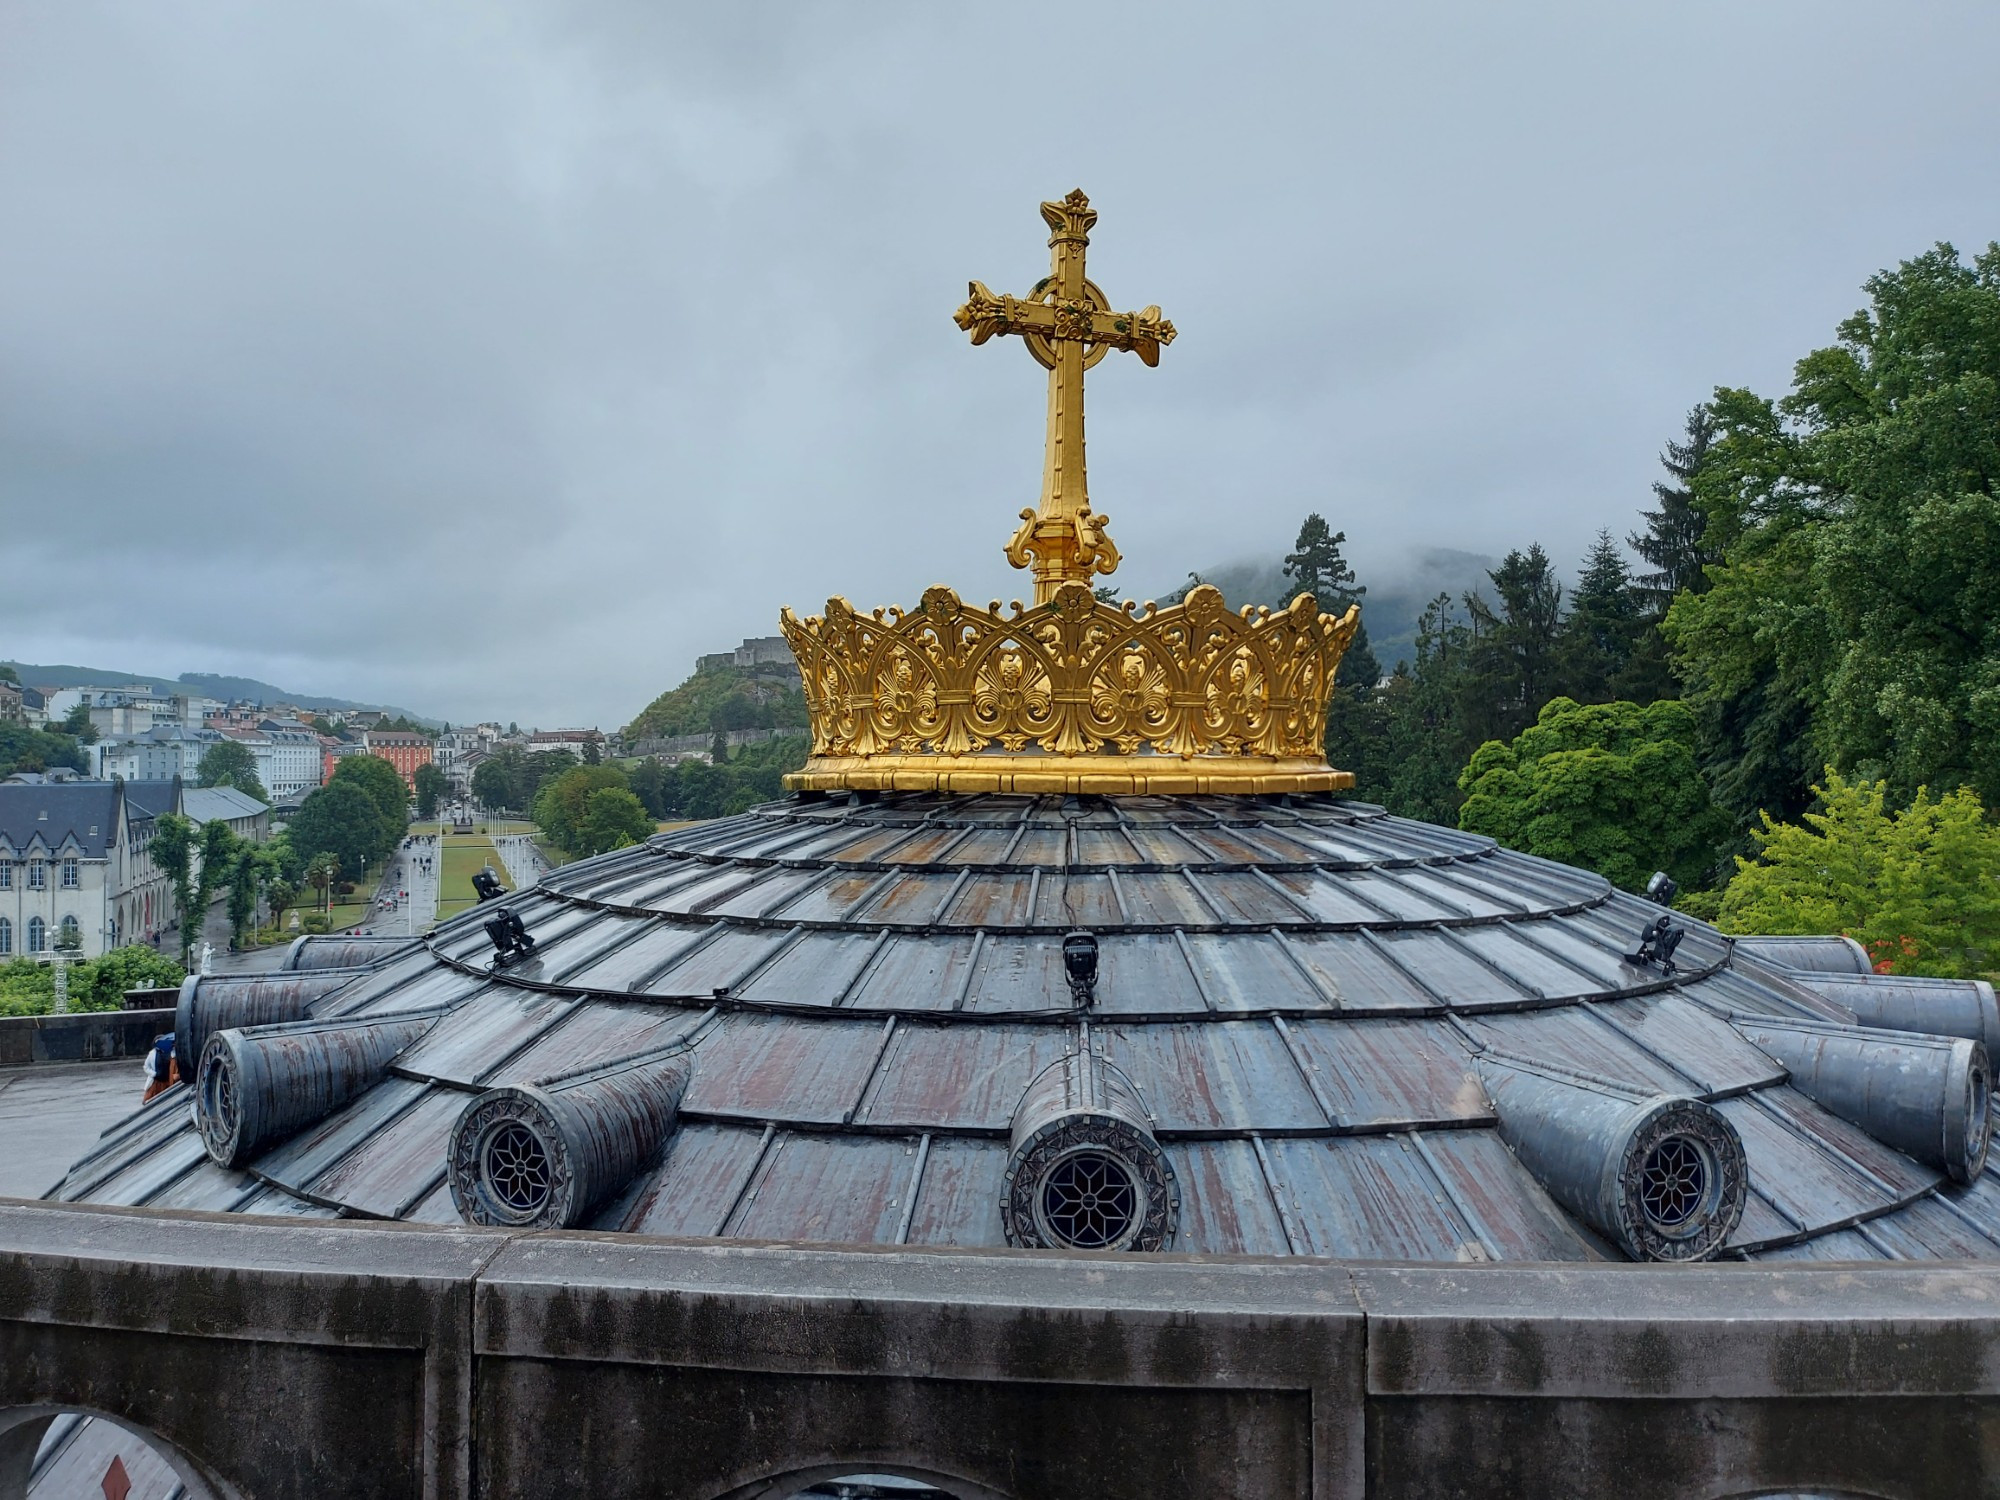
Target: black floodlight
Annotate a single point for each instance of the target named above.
(487, 884)
(511, 942)
(1080, 965)
(1661, 888)
(1657, 943)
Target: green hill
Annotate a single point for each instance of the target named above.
(721, 699)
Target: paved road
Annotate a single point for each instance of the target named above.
(50, 1115)
(524, 862)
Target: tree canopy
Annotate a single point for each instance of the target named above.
(431, 787)
(384, 786)
(343, 820)
(231, 763)
(1613, 787)
(1854, 617)
(1919, 886)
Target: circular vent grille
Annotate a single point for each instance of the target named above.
(1089, 1201)
(218, 1105)
(514, 1168)
(510, 1163)
(1673, 1183)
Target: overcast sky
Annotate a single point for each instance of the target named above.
(497, 359)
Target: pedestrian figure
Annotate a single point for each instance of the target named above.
(162, 1069)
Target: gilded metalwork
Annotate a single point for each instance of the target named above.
(1073, 695)
(1068, 325)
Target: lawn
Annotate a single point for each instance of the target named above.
(460, 859)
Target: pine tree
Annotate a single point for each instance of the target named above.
(1316, 567)
(1672, 540)
(1516, 646)
(1603, 626)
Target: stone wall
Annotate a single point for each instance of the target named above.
(81, 1036)
(284, 1358)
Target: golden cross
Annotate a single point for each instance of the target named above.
(1068, 326)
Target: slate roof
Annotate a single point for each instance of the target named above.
(86, 809)
(1312, 999)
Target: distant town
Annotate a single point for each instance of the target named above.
(124, 807)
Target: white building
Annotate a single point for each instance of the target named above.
(160, 754)
(75, 857)
(288, 758)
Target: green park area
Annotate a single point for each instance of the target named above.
(459, 859)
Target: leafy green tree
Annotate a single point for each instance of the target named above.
(322, 870)
(340, 819)
(175, 847)
(27, 988)
(612, 819)
(77, 725)
(8, 674)
(431, 787)
(1613, 787)
(383, 784)
(25, 749)
(561, 809)
(1919, 887)
(231, 763)
(217, 865)
(496, 781)
(101, 983)
(245, 882)
(1855, 616)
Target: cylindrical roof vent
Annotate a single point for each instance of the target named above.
(1927, 1097)
(258, 1086)
(1900, 1002)
(1085, 1171)
(212, 1002)
(1664, 1177)
(545, 1155)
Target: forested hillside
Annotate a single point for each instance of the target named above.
(722, 699)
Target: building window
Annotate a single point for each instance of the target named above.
(72, 932)
(69, 881)
(38, 934)
(6, 936)
(38, 875)
(6, 874)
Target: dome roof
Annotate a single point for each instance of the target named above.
(1212, 1024)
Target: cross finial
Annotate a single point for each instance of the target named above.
(1068, 325)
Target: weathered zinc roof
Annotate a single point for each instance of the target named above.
(1325, 1015)
(56, 812)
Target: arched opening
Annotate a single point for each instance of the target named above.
(852, 1481)
(53, 1453)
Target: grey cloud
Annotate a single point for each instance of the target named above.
(498, 358)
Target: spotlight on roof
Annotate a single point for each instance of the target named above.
(1661, 888)
(1657, 942)
(511, 942)
(1080, 965)
(487, 884)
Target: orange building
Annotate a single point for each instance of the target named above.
(403, 750)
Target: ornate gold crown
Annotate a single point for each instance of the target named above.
(1071, 694)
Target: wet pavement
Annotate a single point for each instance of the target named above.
(50, 1114)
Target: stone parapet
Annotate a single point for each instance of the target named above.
(280, 1358)
(81, 1036)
